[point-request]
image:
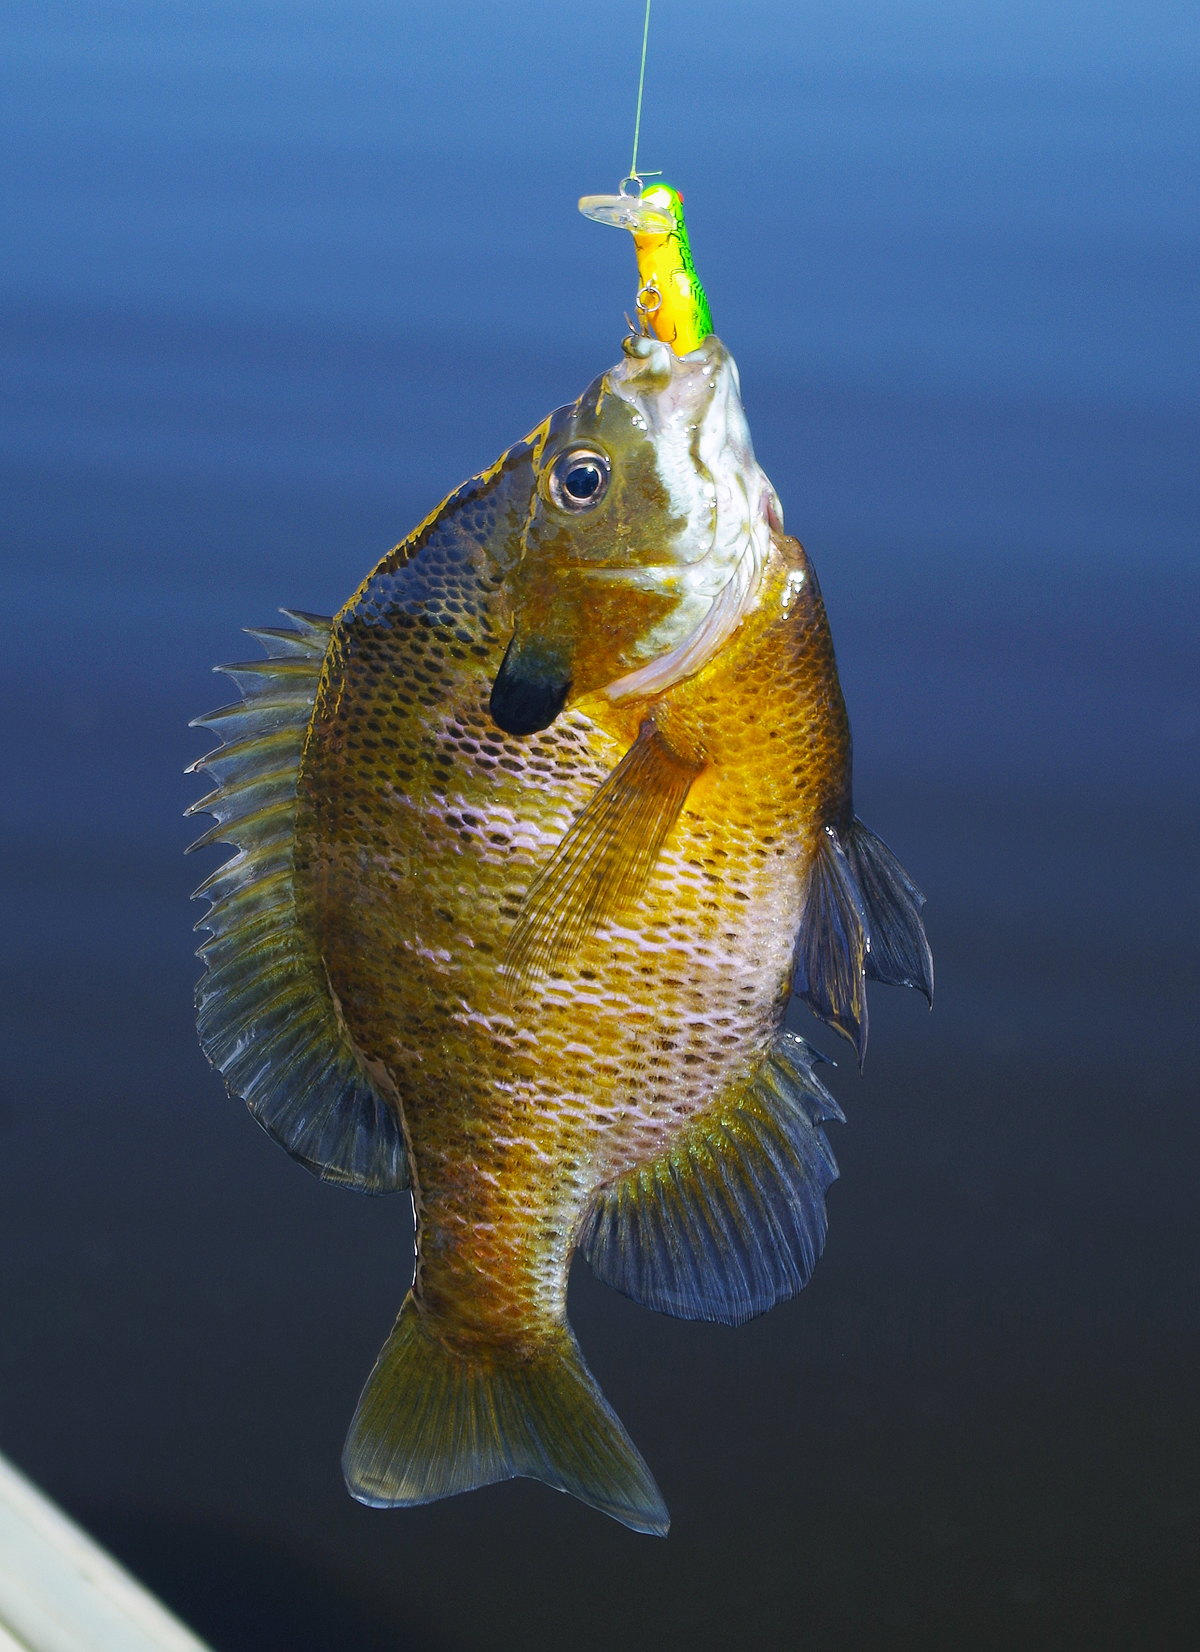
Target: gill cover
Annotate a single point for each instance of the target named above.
(646, 538)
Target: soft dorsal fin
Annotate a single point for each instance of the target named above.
(604, 860)
(731, 1219)
(266, 1013)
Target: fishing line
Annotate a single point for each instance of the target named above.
(637, 124)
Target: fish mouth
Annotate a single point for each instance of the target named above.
(691, 409)
(530, 689)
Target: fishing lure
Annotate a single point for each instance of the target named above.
(535, 841)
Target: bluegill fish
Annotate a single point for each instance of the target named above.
(535, 841)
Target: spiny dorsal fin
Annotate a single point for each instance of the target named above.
(604, 860)
(731, 1219)
(266, 1014)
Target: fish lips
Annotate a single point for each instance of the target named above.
(530, 689)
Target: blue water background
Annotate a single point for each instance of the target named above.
(273, 279)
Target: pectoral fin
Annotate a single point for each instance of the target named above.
(604, 861)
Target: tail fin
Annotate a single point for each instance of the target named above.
(433, 1421)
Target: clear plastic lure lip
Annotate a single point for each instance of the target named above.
(627, 212)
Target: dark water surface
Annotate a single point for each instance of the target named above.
(274, 279)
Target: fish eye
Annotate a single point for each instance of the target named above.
(579, 479)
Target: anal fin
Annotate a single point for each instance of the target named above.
(731, 1219)
(265, 1009)
(603, 861)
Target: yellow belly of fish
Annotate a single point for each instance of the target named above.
(517, 1110)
